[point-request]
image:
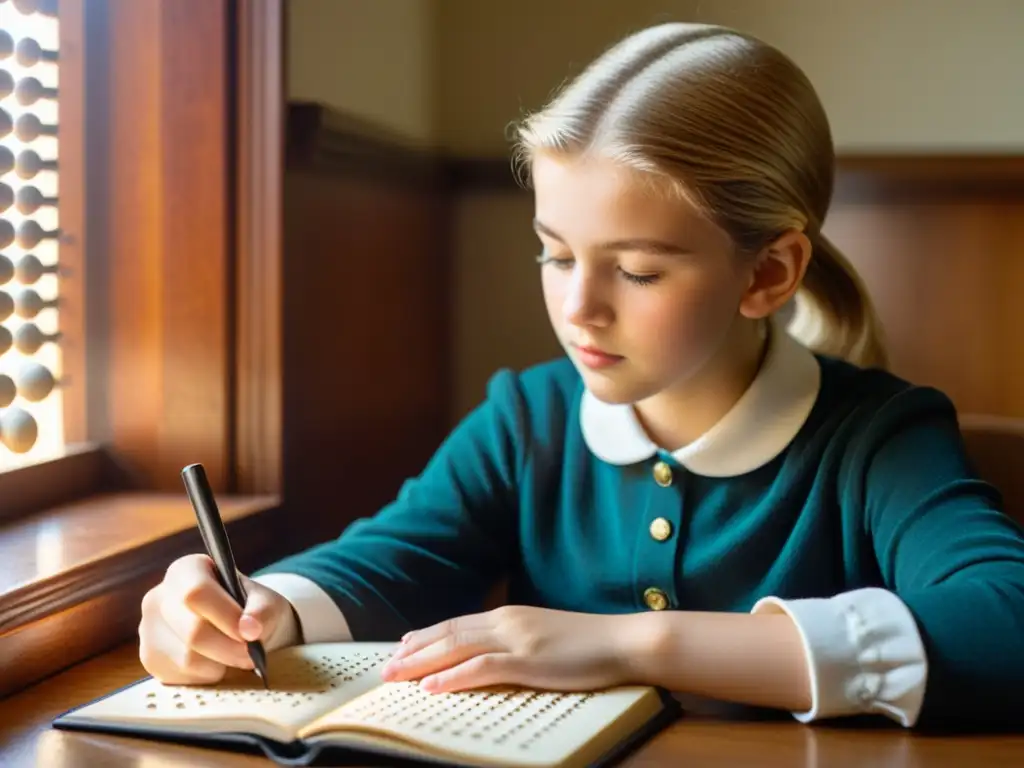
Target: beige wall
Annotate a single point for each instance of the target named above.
(371, 58)
(893, 74)
(917, 74)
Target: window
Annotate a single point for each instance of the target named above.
(148, 266)
(31, 412)
(166, 304)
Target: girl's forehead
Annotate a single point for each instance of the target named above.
(597, 199)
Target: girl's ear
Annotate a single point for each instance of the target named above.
(778, 271)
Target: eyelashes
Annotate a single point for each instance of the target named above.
(638, 279)
(566, 264)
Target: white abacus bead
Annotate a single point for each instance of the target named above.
(44, 7)
(28, 304)
(29, 269)
(28, 339)
(35, 382)
(7, 391)
(29, 127)
(18, 430)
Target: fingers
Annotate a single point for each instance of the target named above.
(421, 638)
(263, 609)
(189, 630)
(165, 656)
(191, 582)
(198, 634)
(443, 653)
(480, 671)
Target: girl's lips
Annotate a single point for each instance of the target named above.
(596, 358)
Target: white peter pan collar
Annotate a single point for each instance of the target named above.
(756, 430)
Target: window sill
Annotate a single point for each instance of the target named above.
(72, 577)
(84, 469)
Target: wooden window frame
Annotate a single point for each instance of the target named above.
(198, 379)
(171, 143)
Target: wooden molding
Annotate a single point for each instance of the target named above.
(324, 140)
(891, 178)
(63, 639)
(482, 174)
(259, 127)
(859, 177)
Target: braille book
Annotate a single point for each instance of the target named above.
(327, 701)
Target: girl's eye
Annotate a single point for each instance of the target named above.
(567, 263)
(557, 263)
(639, 279)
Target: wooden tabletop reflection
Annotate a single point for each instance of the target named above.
(26, 738)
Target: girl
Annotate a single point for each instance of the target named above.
(691, 498)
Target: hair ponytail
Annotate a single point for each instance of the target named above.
(834, 314)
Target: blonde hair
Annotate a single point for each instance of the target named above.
(736, 128)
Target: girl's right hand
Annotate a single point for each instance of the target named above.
(192, 630)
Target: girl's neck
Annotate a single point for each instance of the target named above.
(675, 418)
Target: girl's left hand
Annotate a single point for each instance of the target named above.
(518, 645)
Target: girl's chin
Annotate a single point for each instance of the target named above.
(614, 390)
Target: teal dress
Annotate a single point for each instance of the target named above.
(839, 495)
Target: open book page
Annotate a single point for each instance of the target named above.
(306, 682)
(500, 726)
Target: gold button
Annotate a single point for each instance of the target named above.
(661, 529)
(656, 599)
(663, 474)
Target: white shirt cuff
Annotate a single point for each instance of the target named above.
(319, 618)
(864, 654)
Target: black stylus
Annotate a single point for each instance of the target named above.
(215, 538)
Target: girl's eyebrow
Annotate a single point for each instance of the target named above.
(647, 245)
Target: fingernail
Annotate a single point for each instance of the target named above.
(249, 627)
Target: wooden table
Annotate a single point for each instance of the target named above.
(27, 740)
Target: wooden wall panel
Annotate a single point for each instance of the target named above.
(940, 245)
(365, 339)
